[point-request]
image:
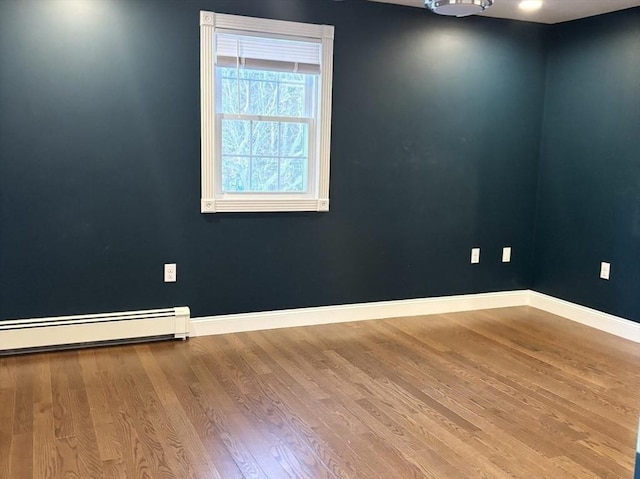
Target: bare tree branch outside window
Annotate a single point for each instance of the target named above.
(259, 153)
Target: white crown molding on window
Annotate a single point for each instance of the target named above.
(232, 323)
(318, 198)
(264, 25)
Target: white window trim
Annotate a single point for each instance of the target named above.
(210, 203)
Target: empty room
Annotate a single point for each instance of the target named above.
(319, 239)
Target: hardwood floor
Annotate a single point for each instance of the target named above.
(490, 394)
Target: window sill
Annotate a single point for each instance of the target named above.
(262, 205)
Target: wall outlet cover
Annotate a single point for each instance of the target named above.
(170, 273)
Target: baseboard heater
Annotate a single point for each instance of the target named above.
(24, 335)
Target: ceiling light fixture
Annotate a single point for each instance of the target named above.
(458, 8)
(530, 5)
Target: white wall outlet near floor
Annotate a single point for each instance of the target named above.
(605, 270)
(475, 255)
(170, 273)
(506, 254)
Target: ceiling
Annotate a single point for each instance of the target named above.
(552, 11)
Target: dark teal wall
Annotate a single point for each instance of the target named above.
(434, 151)
(435, 147)
(589, 187)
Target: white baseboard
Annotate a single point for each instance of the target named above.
(609, 323)
(235, 323)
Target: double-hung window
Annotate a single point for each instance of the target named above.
(266, 114)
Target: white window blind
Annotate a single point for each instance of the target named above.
(266, 53)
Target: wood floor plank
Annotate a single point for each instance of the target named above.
(44, 440)
(206, 406)
(21, 452)
(106, 437)
(89, 461)
(114, 469)
(61, 395)
(23, 406)
(67, 458)
(152, 428)
(508, 393)
(134, 457)
(257, 401)
(21, 456)
(7, 401)
(189, 449)
(109, 447)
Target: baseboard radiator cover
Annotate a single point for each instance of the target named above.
(24, 335)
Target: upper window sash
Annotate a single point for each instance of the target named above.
(231, 104)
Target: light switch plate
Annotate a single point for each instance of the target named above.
(506, 254)
(605, 270)
(475, 255)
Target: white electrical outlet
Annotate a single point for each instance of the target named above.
(170, 273)
(475, 255)
(605, 270)
(506, 254)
